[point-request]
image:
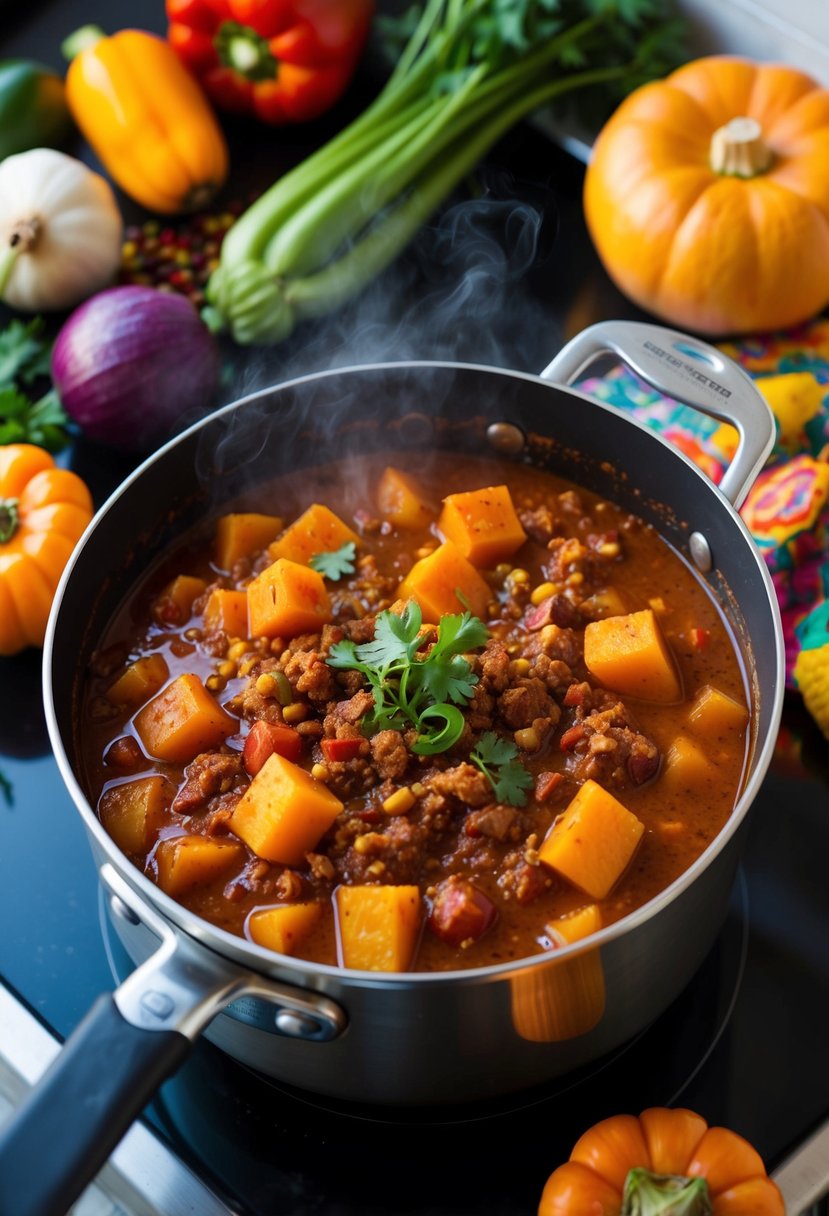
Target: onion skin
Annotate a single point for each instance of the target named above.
(133, 364)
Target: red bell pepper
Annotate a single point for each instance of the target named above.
(264, 738)
(284, 61)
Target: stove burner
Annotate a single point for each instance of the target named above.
(281, 1151)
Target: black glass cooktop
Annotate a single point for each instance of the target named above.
(502, 278)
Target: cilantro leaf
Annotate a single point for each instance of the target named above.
(24, 354)
(496, 757)
(413, 685)
(334, 563)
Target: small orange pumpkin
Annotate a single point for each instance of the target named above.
(43, 511)
(707, 196)
(667, 1160)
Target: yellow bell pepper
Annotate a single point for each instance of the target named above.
(145, 118)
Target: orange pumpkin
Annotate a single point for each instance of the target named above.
(707, 196)
(667, 1160)
(43, 511)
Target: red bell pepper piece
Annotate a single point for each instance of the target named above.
(265, 738)
(340, 749)
(284, 61)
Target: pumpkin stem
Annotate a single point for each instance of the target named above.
(739, 150)
(649, 1194)
(9, 519)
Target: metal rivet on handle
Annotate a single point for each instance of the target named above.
(297, 1025)
(506, 438)
(700, 552)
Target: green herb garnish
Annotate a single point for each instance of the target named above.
(24, 358)
(334, 563)
(413, 689)
(495, 756)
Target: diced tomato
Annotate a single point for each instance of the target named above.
(265, 738)
(700, 638)
(340, 749)
(460, 912)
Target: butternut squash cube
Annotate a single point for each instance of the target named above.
(287, 599)
(183, 720)
(134, 811)
(378, 927)
(184, 862)
(284, 812)
(139, 681)
(444, 583)
(242, 534)
(401, 501)
(573, 926)
(592, 842)
(713, 714)
(686, 766)
(283, 928)
(629, 654)
(178, 596)
(318, 530)
(227, 610)
(483, 524)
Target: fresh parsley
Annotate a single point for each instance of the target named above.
(497, 759)
(24, 359)
(334, 563)
(414, 687)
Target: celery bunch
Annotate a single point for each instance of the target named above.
(469, 71)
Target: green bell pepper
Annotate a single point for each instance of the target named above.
(33, 109)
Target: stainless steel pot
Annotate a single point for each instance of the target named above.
(419, 1038)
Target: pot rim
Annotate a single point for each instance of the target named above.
(263, 961)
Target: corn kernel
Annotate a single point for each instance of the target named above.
(519, 576)
(369, 842)
(265, 684)
(418, 789)
(215, 683)
(575, 580)
(377, 868)
(610, 548)
(295, 713)
(320, 772)
(247, 666)
(541, 593)
(227, 669)
(527, 739)
(519, 667)
(236, 650)
(400, 801)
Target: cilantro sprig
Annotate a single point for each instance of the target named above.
(24, 359)
(413, 687)
(496, 757)
(334, 563)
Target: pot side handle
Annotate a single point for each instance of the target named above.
(127, 1045)
(690, 371)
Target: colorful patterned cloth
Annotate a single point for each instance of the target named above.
(787, 509)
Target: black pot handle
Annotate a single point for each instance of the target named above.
(690, 371)
(112, 1064)
(68, 1125)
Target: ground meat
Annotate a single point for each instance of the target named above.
(350, 711)
(540, 524)
(464, 782)
(390, 754)
(523, 880)
(479, 710)
(310, 675)
(603, 745)
(526, 700)
(492, 666)
(211, 773)
(394, 855)
(555, 673)
(499, 822)
(562, 645)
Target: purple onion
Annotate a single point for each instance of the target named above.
(132, 365)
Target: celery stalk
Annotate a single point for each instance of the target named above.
(471, 70)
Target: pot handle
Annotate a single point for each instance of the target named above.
(128, 1044)
(690, 371)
